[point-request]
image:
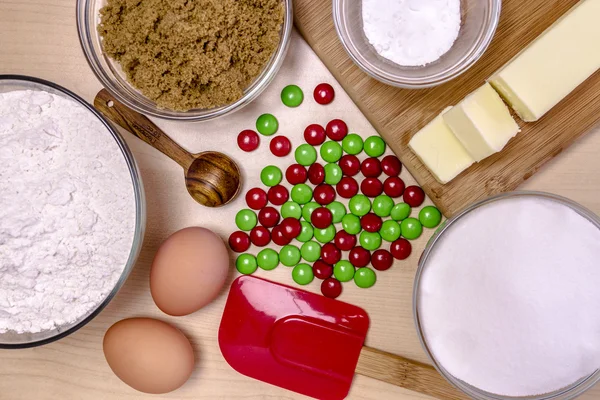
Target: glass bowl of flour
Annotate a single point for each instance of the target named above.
(506, 298)
(72, 212)
(416, 44)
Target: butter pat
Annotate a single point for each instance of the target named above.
(482, 123)
(440, 151)
(551, 67)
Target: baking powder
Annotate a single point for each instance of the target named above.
(67, 211)
(411, 32)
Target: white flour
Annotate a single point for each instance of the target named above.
(509, 300)
(67, 211)
(411, 32)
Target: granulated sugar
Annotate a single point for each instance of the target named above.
(509, 300)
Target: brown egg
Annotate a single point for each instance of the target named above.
(149, 355)
(188, 271)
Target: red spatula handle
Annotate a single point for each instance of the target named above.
(406, 373)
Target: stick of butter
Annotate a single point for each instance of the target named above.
(440, 150)
(553, 65)
(482, 123)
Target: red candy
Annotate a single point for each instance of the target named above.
(291, 227)
(371, 167)
(316, 174)
(401, 249)
(324, 93)
(260, 236)
(278, 236)
(322, 270)
(256, 198)
(268, 217)
(382, 260)
(314, 135)
(391, 166)
(350, 165)
(393, 186)
(280, 146)
(331, 288)
(248, 140)
(278, 195)
(371, 222)
(371, 187)
(336, 130)
(296, 174)
(321, 218)
(239, 241)
(347, 187)
(359, 257)
(414, 196)
(324, 194)
(330, 254)
(344, 241)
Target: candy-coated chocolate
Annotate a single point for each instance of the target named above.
(280, 146)
(268, 217)
(390, 231)
(289, 255)
(324, 93)
(359, 257)
(338, 210)
(278, 237)
(347, 187)
(414, 196)
(322, 270)
(370, 240)
(302, 193)
(345, 241)
(324, 194)
(343, 271)
(239, 241)
(331, 151)
(391, 166)
(365, 278)
(278, 195)
(371, 167)
(248, 140)
(246, 264)
(374, 146)
(296, 174)
(246, 220)
(256, 198)
(430, 217)
(331, 288)
(291, 209)
(330, 254)
(336, 130)
(351, 224)
(383, 205)
(303, 274)
(393, 186)
(350, 165)
(333, 174)
(308, 209)
(314, 135)
(267, 124)
(307, 232)
(305, 155)
(352, 144)
(260, 236)
(371, 222)
(359, 205)
(271, 176)
(400, 212)
(321, 218)
(382, 260)
(291, 228)
(316, 174)
(292, 96)
(267, 259)
(401, 249)
(371, 187)
(411, 228)
(325, 235)
(311, 251)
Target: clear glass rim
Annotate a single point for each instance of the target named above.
(140, 210)
(570, 392)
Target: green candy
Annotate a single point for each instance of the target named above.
(271, 176)
(246, 220)
(383, 205)
(307, 232)
(353, 144)
(268, 259)
(333, 174)
(374, 146)
(400, 212)
(331, 151)
(411, 228)
(430, 217)
(305, 155)
(308, 209)
(292, 96)
(365, 278)
(390, 231)
(351, 224)
(291, 209)
(267, 124)
(338, 210)
(370, 240)
(303, 274)
(343, 271)
(359, 205)
(325, 235)
(311, 251)
(302, 193)
(289, 255)
(246, 264)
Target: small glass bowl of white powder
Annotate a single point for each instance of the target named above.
(72, 212)
(416, 44)
(506, 298)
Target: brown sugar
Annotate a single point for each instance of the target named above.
(186, 54)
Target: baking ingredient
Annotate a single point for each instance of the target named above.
(188, 271)
(374, 146)
(303, 274)
(305, 155)
(302, 194)
(260, 236)
(411, 33)
(370, 240)
(441, 152)
(291, 209)
(338, 210)
(519, 318)
(401, 249)
(289, 255)
(371, 167)
(278, 237)
(325, 235)
(482, 123)
(359, 257)
(311, 251)
(267, 259)
(365, 278)
(296, 174)
(291, 227)
(308, 210)
(336, 129)
(414, 196)
(324, 194)
(268, 217)
(553, 65)
(393, 186)
(149, 355)
(359, 205)
(430, 217)
(351, 224)
(316, 174)
(239, 241)
(382, 206)
(256, 198)
(371, 187)
(353, 144)
(280, 146)
(411, 228)
(333, 174)
(322, 270)
(324, 93)
(246, 264)
(401, 211)
(315, 135)
(331, 151)
(390, 231)
(343, 271)
(267, 124)
(345, 241)
(306, 233)
(246, 220)
(271, 176)
(350, 165)
(347, 187)
(292, 96)
(195, 54)
(330, 255)
(331, 288)
(391, 166)
(248, 140)
(67, 212)
(371, 222)
(278, 195)
(382, 260)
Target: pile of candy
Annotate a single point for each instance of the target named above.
(310, 217)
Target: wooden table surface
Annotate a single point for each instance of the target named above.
(39, 38)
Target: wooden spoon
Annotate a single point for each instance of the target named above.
(211, 178)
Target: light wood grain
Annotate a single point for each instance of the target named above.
(398, 114)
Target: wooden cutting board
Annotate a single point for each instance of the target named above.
(398, 114)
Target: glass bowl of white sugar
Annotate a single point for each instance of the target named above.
(72, 212)
(506, 298)
(416, 43)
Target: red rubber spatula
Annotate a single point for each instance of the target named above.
(311, 344)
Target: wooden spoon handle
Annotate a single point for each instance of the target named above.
(142, 127)
(408, 374)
